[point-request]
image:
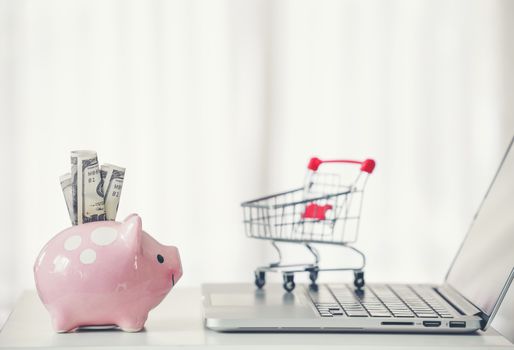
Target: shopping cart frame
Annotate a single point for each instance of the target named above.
(313, 268)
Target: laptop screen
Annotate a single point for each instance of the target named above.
(486, 257)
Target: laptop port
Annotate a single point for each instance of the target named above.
(457, 324)
(397, 323)
(431, 323)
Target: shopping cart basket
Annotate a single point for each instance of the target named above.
(323, 211)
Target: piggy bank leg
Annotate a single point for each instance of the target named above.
(62, 324)
(132, 323)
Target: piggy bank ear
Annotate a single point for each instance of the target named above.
(131, 233)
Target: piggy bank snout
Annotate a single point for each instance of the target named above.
(175, 269)
(173, 277)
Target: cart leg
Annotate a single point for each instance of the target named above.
(288, 281)
(358, 279)
(279, 253)
(313, 276)
(260, 278)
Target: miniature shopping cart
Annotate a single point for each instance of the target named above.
(325, 211)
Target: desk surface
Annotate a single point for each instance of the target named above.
(177, 322)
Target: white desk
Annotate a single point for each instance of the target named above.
(177, 323)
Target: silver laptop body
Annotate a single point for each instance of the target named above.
(469, 298)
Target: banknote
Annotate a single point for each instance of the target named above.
(112, 179)
(74, 156)
(65, 181)
(87, 189)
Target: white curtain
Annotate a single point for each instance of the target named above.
(209, 103)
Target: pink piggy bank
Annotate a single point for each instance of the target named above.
(105, 273)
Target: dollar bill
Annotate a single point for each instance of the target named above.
(87, 189)
(65, 181)
(112, 179)
(74, 186)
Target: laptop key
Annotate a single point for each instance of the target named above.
(337, 312)
(379, 314)
(327, 305)
(358, 315)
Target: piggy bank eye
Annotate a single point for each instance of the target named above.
(160, 258)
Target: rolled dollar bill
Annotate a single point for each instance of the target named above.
(65, 181)
(112, 178)
(74, 186)
(87, 190)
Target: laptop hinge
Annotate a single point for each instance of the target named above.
(457, 300)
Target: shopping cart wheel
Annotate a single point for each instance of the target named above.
(288, 282)
(260, 279)
(358, 279)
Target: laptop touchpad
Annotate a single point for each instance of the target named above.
(253, 299)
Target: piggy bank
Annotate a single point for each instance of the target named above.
(105, 273)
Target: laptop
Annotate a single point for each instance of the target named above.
(468, 300)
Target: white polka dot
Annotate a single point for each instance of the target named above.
(60, 263)
(88, 256)
(72, 242)
(104, 235)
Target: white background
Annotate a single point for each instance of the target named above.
(210, 103)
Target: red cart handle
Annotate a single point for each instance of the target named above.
(368, 165)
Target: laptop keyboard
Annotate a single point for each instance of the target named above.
(398, 301)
